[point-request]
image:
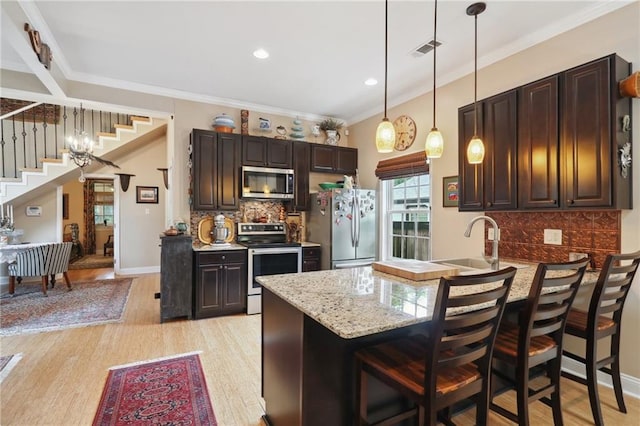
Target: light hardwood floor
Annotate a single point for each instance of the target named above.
(61, 375)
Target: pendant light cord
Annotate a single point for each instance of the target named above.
(475, 80)
(386, 13)
(435, 45)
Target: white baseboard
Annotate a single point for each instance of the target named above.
(630, 384)
(136, 271)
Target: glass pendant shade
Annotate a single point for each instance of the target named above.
(385, 136)
(434, 146)
(475, 150)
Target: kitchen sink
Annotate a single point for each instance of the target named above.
(470, 265)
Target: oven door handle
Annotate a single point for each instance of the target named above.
(276, 250)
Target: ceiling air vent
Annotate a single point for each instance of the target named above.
(425, 48)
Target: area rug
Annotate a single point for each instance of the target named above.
(92, 261)
(7, 363)
(88, 303)
(169, 391)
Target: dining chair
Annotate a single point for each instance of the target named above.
(533, 345)
(58, 262)
(450, 361)
(108, 246)
(603, 319)
(42, 260)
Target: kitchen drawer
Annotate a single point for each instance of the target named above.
(222, 257)
(311, 252)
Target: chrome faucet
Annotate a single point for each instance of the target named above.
(493, 261)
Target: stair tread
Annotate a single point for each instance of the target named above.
(107, 134)
(139, 118)
(51, 160)
(123, 126)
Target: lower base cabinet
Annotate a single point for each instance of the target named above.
(221, 283)
(311, 259)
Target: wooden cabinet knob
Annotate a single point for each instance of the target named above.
(489, 204)
(571, 201)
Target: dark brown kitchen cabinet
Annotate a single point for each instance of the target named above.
(266, 152)
(591, 135)
(491, 185)
(567, 133)
(311, 259)
(301, 168)
(216, 170)
(176, 260)
(538, 144)
(333, 159)
(471, 176)
(221, 283)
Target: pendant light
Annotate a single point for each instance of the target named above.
(475, 149)
(385, 133)
(434, 144)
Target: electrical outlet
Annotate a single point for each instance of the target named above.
(553, 236)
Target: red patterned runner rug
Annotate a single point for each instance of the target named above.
(170, 391)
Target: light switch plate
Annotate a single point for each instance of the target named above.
(553, 236)
(491, 234)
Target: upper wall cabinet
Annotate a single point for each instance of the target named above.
(491, 185)
(333, 159)
(538, 144)
(593, 112)
(568, 133)
(266, 152)
(301, 158)
(216, 168)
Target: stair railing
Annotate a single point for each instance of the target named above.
(40, 131)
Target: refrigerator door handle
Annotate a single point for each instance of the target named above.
(354, 241)
(357, 217)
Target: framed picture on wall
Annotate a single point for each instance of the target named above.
(450, 191)
(147, 194)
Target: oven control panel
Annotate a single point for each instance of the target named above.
(261, 228)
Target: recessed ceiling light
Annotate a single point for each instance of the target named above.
(371, 82)
(261, 54)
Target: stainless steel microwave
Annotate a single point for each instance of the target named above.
(266, 182)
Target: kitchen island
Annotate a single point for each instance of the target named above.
(313, 322)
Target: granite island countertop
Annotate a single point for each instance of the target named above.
(360, 301)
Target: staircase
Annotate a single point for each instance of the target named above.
(29, 164)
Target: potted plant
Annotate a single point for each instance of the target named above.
(331, 126)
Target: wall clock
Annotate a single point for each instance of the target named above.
(405, 132)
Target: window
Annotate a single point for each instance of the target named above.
(406, 231)
(103, 203)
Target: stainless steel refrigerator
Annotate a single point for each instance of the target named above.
(344, 222)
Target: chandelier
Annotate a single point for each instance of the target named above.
(81, 148)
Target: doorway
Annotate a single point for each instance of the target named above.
(91, 213)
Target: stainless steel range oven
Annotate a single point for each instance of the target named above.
(268, 254)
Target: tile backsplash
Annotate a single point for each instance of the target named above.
(596, 232)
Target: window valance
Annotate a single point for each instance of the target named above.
(405, 165)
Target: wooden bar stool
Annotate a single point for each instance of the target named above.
(451, 362)
(603, 319)
(536, 340)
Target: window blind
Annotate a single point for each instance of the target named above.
(405, 165)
